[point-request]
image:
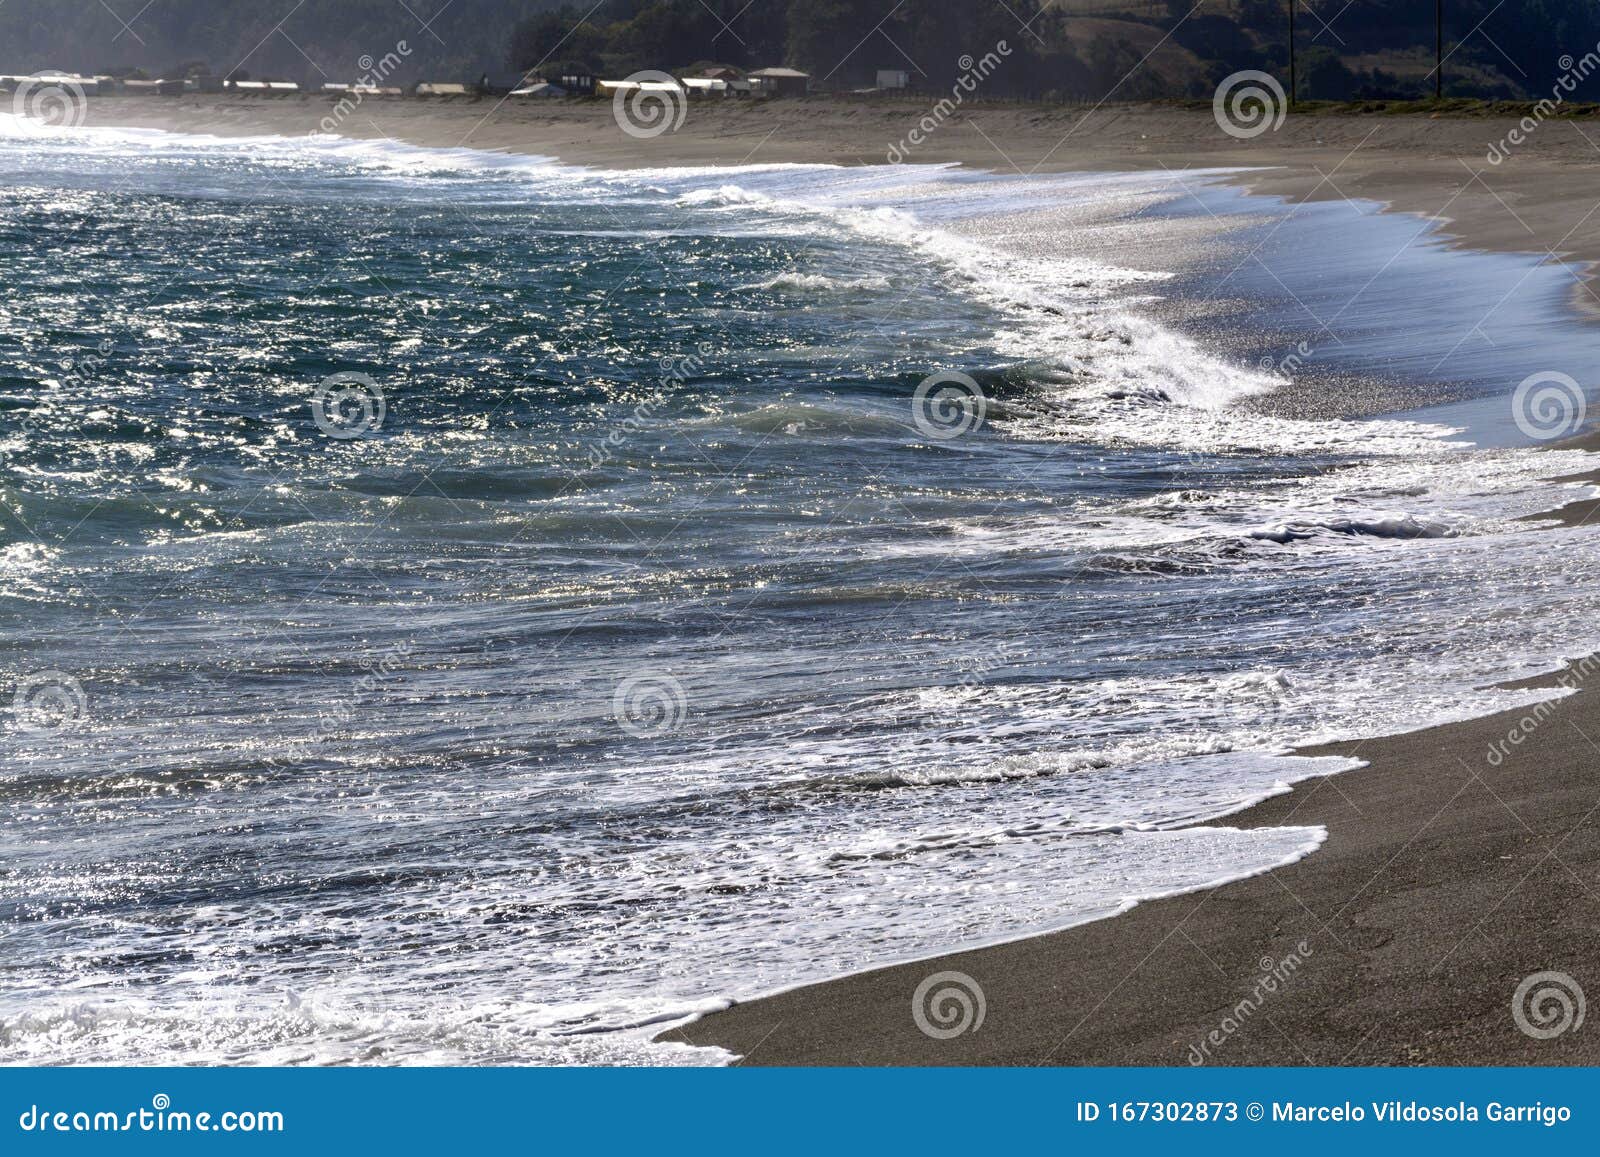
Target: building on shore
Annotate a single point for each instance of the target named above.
(612, 87)
(706, 86)
(264, 87)
(336, 88)
(779, 82)
(153, 87)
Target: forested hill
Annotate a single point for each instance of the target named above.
(262, 37)
(1058, 48)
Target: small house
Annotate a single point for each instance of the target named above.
(428, 88)
(265, 87)
(578, 83)
(893, 78)
(153, 87)
(612, 87)
(779, 82)
(705, 86)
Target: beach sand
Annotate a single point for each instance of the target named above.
(1444, 882)
(1446, 878)
(1542, 199)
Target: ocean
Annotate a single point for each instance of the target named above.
(462, 608)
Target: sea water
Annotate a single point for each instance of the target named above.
(457, 608)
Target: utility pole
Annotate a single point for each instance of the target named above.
(1292, 3)
(1438, 49)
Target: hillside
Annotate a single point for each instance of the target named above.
(1077, 49)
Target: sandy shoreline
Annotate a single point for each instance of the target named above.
(1445, 879)
(1536, 201)
(1444, 882)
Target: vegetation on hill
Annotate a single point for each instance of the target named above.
(1085, 49)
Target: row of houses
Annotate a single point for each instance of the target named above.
(765, 82)
(124, 86)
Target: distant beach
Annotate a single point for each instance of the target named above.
(1436, 165)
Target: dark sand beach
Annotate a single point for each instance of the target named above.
(1443, 883)
(1446, 877)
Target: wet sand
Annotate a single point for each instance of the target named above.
(1444, 882)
